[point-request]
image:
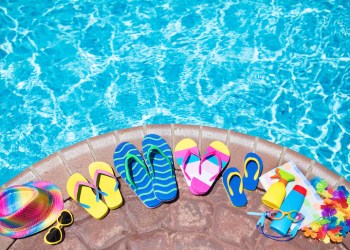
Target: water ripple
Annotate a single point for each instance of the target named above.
(70, 70)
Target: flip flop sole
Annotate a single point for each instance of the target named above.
(210, 168)
(143, 183)
(232, 181)
(97, 209)
(253, 167)
(164, 182)
(107, 184)
(192, 169)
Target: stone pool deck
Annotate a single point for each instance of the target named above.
(190, 222)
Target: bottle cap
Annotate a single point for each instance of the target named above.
(300, 190)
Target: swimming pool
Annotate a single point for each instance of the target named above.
(75, 69)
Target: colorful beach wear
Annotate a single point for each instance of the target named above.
(201, 172)
(131, 167)
(104, 179)
(253, 167)
(87, 196)
(187, 156)
(233, 184)
(212, 163)
(159, 159)
(55, 234)
(29, 208)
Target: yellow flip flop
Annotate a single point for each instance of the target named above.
(82, 192)
(104, 180)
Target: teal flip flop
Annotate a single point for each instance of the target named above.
(159, 159)
(131, 167)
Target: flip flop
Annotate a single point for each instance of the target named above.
(233, 183)
(187, 156)
(86, 195)
(211, 165)
(104, 179)
(159, 159)
(253, 167)
(131, 167)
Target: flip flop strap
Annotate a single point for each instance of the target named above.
(127, 169)
(185, 161)
(256, 175)
(104, 172)
(148, 155)
(205, 157)
(84, 183)
(228, 182)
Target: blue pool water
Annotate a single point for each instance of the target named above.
(73, 69)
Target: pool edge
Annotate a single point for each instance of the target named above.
(77, 157)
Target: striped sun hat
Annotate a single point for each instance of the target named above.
(29, 208)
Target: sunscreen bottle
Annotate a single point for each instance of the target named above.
(274, 196)
(293, 202)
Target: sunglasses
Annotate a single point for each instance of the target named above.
(294, 216)
(275, 214)
(55, 234)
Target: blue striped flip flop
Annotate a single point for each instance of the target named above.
(159, 159)
(131, 167)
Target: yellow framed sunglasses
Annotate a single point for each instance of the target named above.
(294, 216)
(55, 235)
(276, 214)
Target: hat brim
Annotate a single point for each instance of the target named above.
(56, 208)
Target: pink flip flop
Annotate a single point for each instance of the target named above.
(187, 155)
(211, 165)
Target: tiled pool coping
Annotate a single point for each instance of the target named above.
(206, 221)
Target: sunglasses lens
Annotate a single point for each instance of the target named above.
(54, 236)
(275, 214)
(296, 216)
(65, 218)
(293, 214)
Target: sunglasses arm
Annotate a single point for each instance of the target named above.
(296, 229)
(260, 228)
(255, 213)
(261, 221)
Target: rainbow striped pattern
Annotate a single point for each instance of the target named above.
(188, 159)
(29, 208)
(159, 159)
(213, 162)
